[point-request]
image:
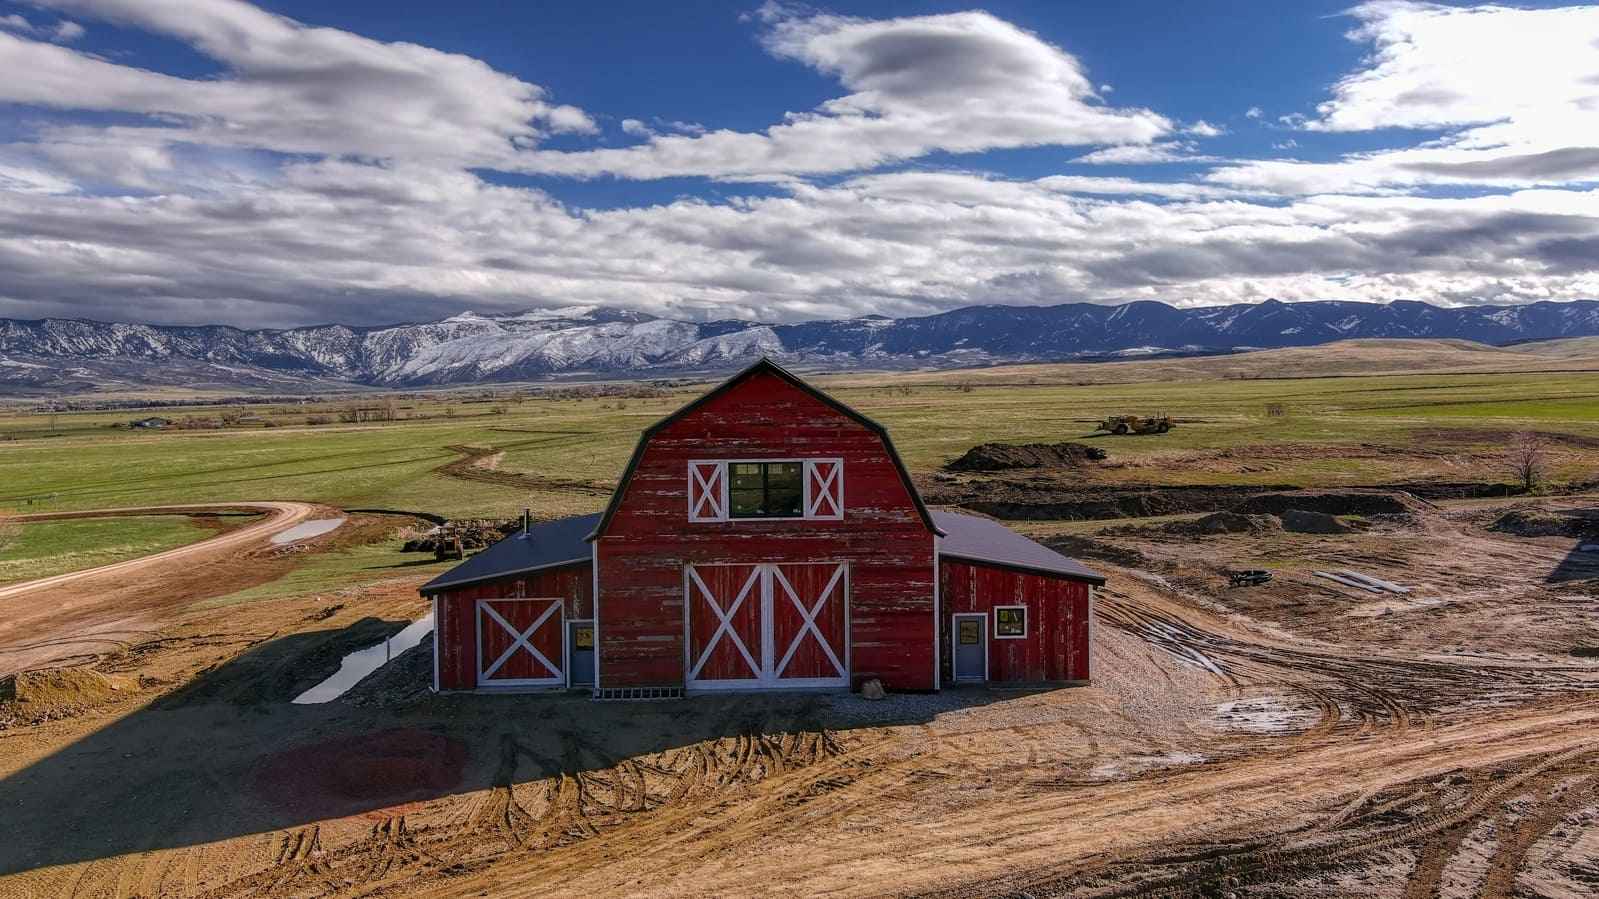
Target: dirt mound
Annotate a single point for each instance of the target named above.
(1536, 523)
(1300, 521)
(45, 694)
(1006, 456)
(1331, 502)
(1226, 523)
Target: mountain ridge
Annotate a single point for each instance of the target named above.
(584, 341)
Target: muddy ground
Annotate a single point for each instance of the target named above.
(1300, 739)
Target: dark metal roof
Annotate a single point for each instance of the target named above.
(766, 365)
(544, 545)
(985, 540)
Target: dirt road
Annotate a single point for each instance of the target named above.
(59, 618)
(1283, 741)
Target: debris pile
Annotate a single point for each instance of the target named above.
(474, 534)
(1008, 456)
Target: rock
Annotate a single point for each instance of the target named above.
(1300, 521)
(873, 689)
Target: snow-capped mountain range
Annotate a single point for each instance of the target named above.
(58, 354)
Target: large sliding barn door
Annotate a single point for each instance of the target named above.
(763, 626)
(519, 643)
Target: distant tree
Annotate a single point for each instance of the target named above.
(1529, 458)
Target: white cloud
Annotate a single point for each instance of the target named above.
(1254, 112)
(1203, 128)
(960, 83)
(185, 208)
(1146, 154)
(290, 88)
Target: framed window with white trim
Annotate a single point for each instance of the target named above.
(766, 489)
(1010, 622)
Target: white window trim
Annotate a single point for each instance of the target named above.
(719, 504)
(1025, 624)
(806, 502)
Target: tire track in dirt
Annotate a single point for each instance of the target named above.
(580, 801)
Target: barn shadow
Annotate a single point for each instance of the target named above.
(1579, 565)
(228, 755)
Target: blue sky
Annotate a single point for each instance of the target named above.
(294, 162)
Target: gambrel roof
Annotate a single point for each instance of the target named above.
(766, 366)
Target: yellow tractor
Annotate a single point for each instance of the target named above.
(1136, 424)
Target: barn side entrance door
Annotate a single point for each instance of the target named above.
(767, 626)
(969, 647)
(580, 653)
(519, 643)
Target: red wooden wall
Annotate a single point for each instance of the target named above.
(1056, 647)
(457, 629)
(650, 539)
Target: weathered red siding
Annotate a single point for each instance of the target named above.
(457, 629)
(1058, 609)
(649, 539)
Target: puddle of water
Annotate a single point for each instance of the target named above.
(357, 665)
(305, 530)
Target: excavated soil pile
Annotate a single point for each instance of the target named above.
(1226, 523)
(1331, 502)
(1536, 523)
(1007, 456)
(1299, 521)
(388, 766)
(45, 694)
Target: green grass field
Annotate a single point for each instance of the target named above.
(391, 464)
(44, 548)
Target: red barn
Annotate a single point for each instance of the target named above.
(765, 536)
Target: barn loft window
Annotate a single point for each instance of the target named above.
(1010, 622)
(809, 489)
(766, 490)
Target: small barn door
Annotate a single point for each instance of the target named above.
(763, 626)
(519, 642)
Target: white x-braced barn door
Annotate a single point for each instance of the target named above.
(763, 626)
(519, 643)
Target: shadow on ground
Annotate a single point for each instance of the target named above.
(227, 754)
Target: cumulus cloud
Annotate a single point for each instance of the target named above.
(960, 83)
(289, 88)
(1512, 91)
(326, 175)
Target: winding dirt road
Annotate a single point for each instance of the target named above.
(64, 615)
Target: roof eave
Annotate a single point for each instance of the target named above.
(1085, 576)
(432, 587)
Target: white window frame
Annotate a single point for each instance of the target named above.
(808, 503)
(1026, 623)
(719, 507)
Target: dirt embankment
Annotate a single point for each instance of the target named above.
(1543, 523)
(1331, 502)
(1011, 456)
